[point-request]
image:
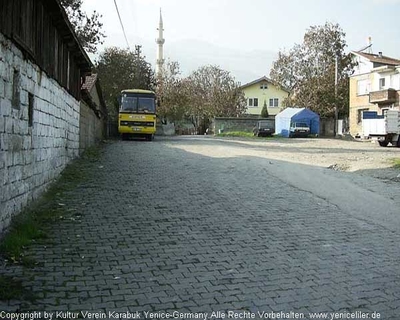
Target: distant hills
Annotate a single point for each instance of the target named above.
(246, 65)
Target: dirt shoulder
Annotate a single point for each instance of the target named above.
(366, 158)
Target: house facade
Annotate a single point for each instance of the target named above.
(374, 86)
(262, 92)
(42, 68)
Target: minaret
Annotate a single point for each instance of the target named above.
(160, 52)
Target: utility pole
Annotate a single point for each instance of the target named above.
(336, 96)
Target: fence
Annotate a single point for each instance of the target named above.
(247, 124)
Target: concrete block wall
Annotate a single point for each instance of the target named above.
(236, 124)
(32, 153)
(91, 127)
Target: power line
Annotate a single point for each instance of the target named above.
(122, 25)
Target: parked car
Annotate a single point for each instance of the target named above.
(264, 128)
(299, 129)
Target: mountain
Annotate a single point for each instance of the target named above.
(191, 54)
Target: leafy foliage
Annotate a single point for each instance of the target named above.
(308, 71)
(207, 92)
(88, 29)
(213, 92)
(264, 111)
(172, 93)
(120, 69)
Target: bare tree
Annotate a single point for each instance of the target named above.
(213, 92)
(172, 93)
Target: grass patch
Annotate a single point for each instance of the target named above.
(10, 288)
(24, 229)
(30, 225)
(396, 163)
(91, 154)
(236, 134)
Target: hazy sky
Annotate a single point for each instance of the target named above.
(245, 35)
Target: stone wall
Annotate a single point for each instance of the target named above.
(91, 127)
(39, 131)
(235, 124)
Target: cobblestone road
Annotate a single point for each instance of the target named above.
(161, 229)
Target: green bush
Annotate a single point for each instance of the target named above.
(264, 112)
(236, 134)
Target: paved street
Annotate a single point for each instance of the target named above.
(197, 225)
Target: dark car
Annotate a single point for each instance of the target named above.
(264, 128)
(299, 129)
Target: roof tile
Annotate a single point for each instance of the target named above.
(379, 59)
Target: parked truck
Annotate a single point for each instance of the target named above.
(383, 128)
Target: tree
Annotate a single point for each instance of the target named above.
(213, 92)
(88, 29)
(172, 93)
(120, 69)
(308, 71)
(264, 110)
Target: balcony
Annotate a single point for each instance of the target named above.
(383, 96)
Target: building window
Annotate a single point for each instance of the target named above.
(252, 102)
(31, 100)
(395, 81)
(382, 83)
(362, 87)
(264, 86)
(360, 114)
(274, 102)
(16, 89)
